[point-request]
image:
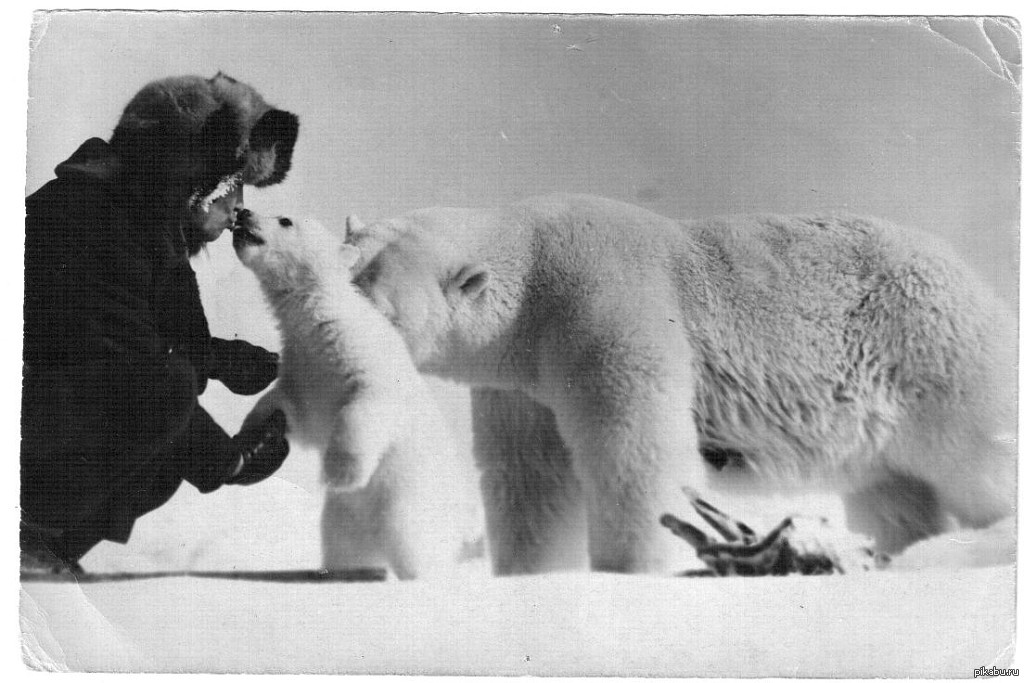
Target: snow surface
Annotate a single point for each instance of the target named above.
(934, 622)
(918, 624)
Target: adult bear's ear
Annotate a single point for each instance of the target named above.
(471, 281)
(349, 255)
(353, 225)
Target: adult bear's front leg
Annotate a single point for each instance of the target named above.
(625, 412)
(536, 517)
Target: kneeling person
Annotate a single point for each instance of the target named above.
(117, 347)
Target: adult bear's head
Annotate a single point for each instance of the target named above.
(183, 141)
(450, 280)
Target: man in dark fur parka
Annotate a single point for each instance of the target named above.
(117, 347)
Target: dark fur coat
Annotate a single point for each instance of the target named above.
(107, 243)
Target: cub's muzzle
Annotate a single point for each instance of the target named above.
(245, 229)
(243, 218)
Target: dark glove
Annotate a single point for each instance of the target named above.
(244, 368)
(262, 449)
(209, 451)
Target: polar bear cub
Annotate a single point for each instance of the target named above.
(351, 393)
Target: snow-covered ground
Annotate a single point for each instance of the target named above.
(918, 624)
(941, 621)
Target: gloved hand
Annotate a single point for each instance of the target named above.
(244, 368)
(261, 450)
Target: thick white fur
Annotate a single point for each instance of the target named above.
(606, 344)
(351, 393)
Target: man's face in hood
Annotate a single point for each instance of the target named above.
(188, 143)
(211, 218)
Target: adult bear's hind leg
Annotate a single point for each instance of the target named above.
(895, 512)
(536, 519)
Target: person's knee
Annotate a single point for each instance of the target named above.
(166, 400)
(87, 414)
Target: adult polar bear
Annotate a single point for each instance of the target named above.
(609, 347)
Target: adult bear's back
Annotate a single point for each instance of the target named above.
(817, 335)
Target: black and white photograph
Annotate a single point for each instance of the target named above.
(518, 344)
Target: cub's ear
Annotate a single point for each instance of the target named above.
(472, 280)
(353, 226)
(349, 255)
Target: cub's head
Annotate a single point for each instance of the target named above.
(286, 253)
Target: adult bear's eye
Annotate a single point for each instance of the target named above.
(285, 222)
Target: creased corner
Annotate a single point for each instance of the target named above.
(40, 651)
(40, 24)
(63, 630)
(993, 41)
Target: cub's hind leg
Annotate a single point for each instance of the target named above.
(421, 539)
(350, 531)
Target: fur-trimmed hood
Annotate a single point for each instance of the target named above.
(182, 137)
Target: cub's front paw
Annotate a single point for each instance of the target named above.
(801, 545)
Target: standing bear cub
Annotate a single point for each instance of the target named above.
(351, 393)
(616, 356)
